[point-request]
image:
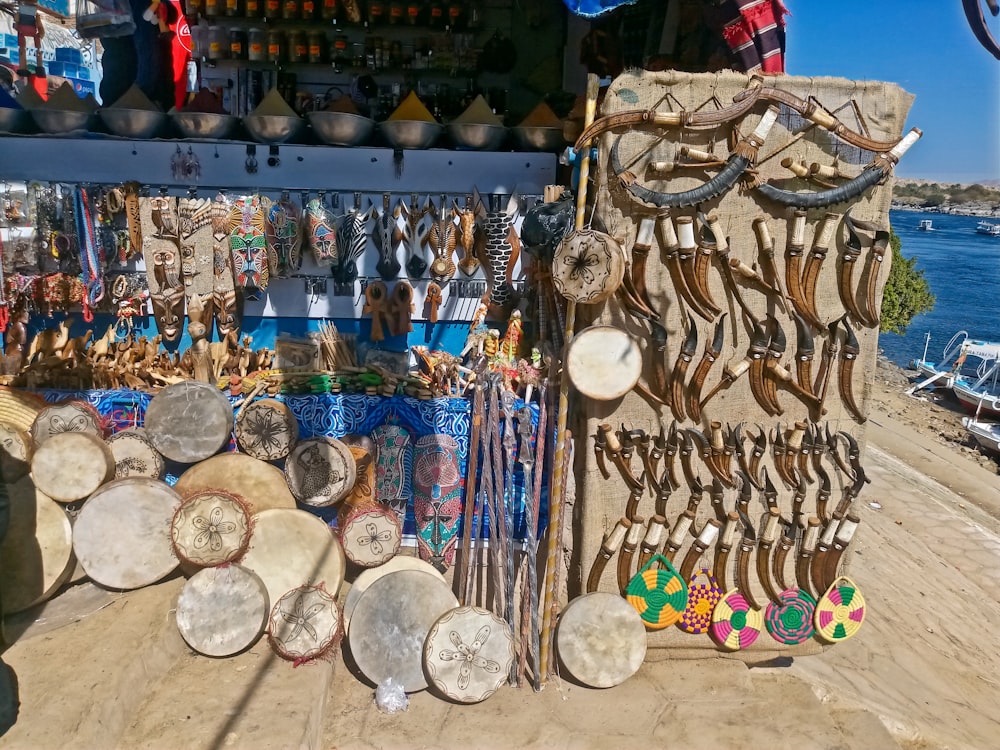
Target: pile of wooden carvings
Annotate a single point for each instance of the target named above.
(55, 360)
(249, 536)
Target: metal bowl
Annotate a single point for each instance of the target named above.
(273, 128)
(477, 136)
(341, 128)
(133, 123)
(57, 121)
(417, 134)
(539, 138)
(204, 124)
(13, 120)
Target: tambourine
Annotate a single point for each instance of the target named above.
(588, 266)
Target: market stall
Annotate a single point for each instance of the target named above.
(443, 387)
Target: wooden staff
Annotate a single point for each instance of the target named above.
(558, 479)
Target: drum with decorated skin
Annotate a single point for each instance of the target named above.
(320, 471)
(305, 624)
(390, 624)
(604, 363)
(588, 266)
(468, 654)
(189, 421)
(261, 485)
(601, 640)
(266, 429)
(291, 548)
(122, 534)
(71, 465)
(370, 532)
(135, 455)
(72, 415)
(222, 611)
(16, 449)
(36, 555)
(211, 527)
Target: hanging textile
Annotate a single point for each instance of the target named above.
(755, 32)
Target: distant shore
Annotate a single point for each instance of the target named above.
(984, 210)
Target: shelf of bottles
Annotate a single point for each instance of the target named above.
(306, 47)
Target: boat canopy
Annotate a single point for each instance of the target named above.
(987, 350)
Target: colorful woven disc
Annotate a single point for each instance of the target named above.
(702, 598)
(659, 595)
(735, 624)
(790, 619)
(840, 611)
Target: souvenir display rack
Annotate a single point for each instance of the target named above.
(727, 212)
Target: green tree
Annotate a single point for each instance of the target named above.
(907, 293)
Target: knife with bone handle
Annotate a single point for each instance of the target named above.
(629, 546)
(651, 541)
(705, 539)
(765, 252)
(689, 256)
(671, 251)
(794, 251)
(611, 544)
(720, 564)
(804, 558)
(841, 540)
(852, 251)
(678, 534)
(810, 274)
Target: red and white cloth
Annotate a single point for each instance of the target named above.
(755, 32)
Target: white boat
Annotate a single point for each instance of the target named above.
(989, 228)
(962, 359)
(926, 225)
(981, 396)
(986, 434)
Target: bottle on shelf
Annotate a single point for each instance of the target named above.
(272, 10)
(376, 12)
(456, 16)
(414, 13)
(329, 10)
(257, 45)
(437, 14)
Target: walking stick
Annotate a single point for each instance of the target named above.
(558, 478)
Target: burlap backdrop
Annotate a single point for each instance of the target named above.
(599, 502)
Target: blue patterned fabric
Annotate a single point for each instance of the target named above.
(594, 8)
(332, 415)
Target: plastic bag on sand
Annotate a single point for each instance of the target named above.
(390, 697)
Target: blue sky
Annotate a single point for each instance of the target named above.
(926, 47)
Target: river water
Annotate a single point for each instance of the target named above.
(963, 270)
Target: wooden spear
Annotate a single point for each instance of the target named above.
(558, 479)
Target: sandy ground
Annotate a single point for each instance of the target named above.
(104, 670)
